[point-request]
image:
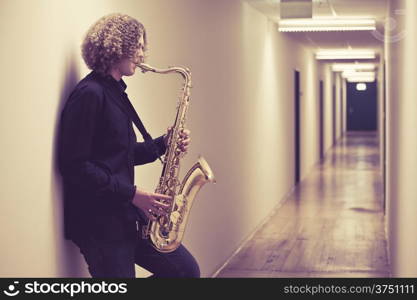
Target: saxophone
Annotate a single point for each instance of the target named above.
(167, 232)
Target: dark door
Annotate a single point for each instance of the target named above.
(361, 107)
(297, 124)
(334, 113)
(321, 120)
(341, 110)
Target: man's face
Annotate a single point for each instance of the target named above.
(127, 66)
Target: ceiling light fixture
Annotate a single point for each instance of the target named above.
(360, 79)
(345, 54)
(352, 73)
(326, 24)
(347, 67)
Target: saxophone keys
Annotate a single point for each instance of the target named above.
(175, 217)
(172, 183)
(180, 200)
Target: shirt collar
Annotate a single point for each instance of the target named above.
(111, 82)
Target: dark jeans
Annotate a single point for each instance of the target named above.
(117, 259)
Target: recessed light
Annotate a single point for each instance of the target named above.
(326, 24)
(345, 54)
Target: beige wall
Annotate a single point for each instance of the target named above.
(328, 82)
(402, 139)
(344, 105)
(338, 84)
(241, 118)
(381, 113)
(309, 68)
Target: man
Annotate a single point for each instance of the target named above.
(97, 154)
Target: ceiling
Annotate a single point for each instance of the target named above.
(338, 8)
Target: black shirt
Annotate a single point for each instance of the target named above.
(97, 154)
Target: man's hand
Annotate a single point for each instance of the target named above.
(184, 140)
(149, 203)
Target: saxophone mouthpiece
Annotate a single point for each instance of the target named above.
(144, 67)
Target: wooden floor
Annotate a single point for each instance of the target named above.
(332, 225)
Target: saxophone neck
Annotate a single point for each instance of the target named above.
(185, 72)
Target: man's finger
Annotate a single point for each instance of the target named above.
(150, 215)
(160, 204)
(158, 211)
(160, 196)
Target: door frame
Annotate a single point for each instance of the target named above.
(321, 119)
(297, 127)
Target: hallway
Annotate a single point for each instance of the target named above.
(331, 225)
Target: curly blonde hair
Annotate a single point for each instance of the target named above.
(110, 39)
